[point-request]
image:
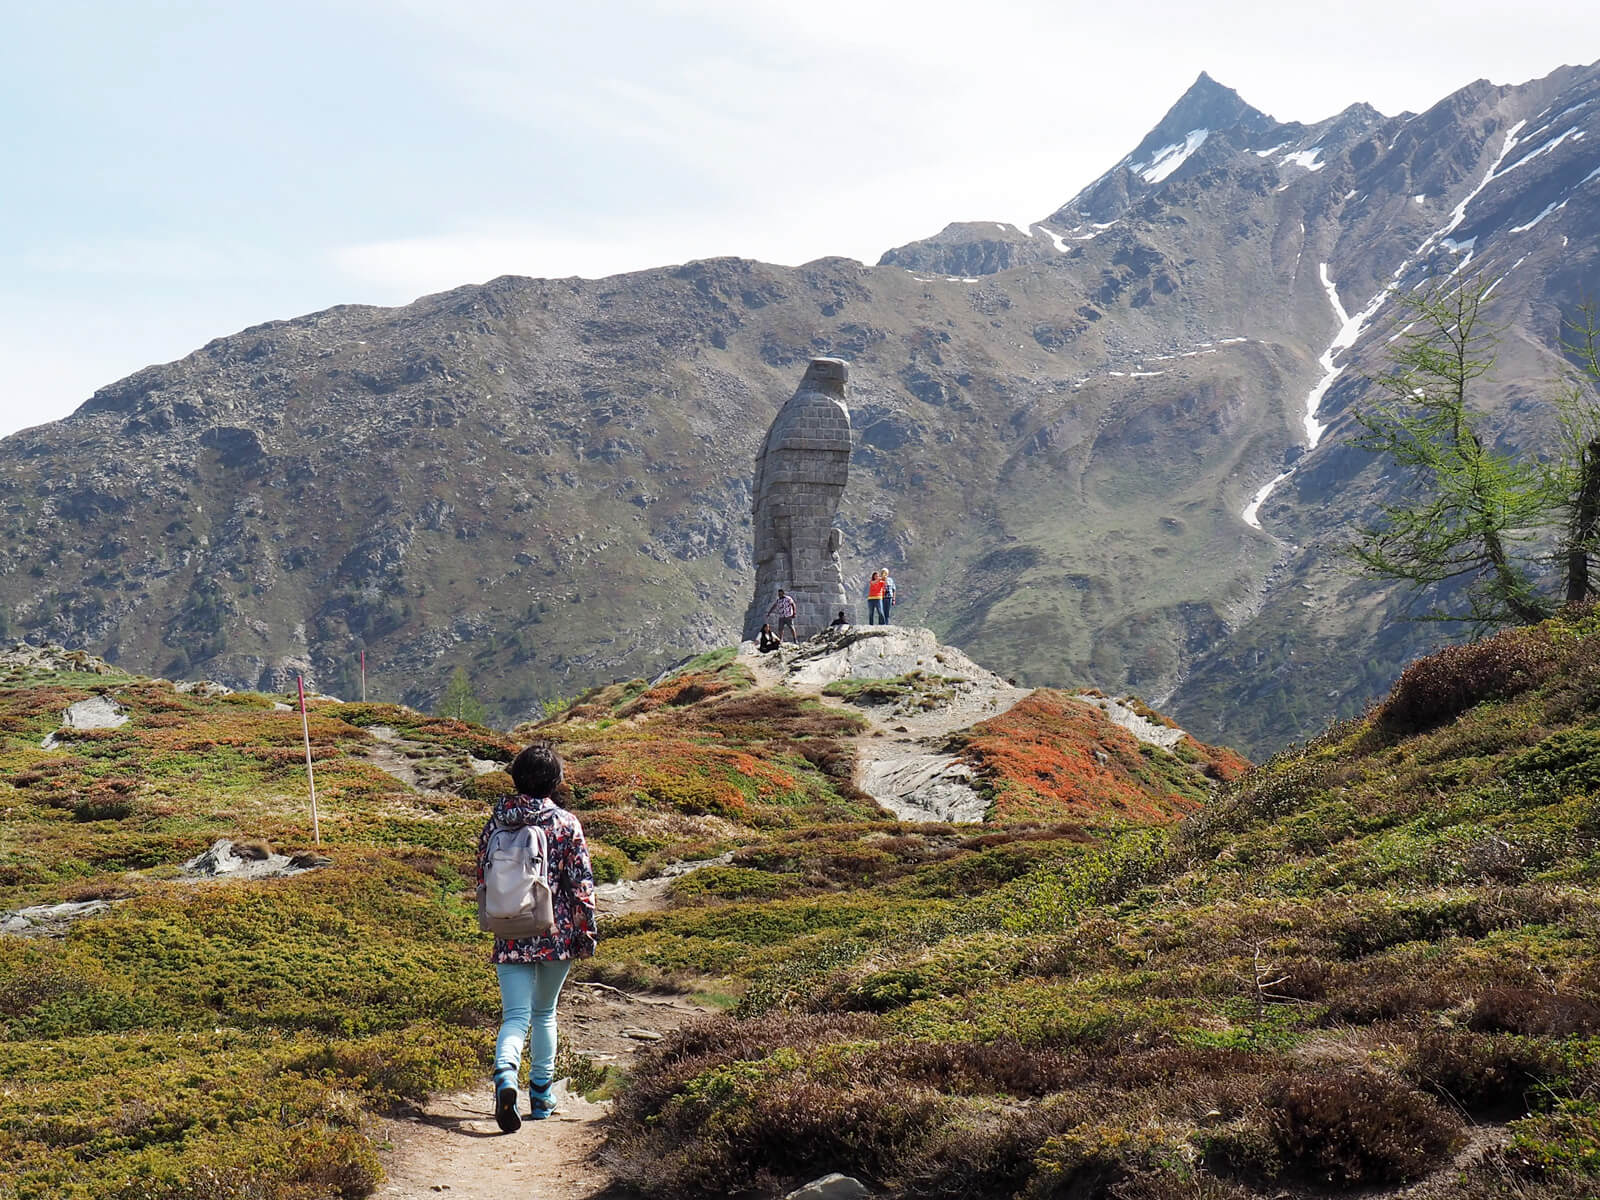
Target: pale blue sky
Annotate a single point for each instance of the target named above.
(175, 171)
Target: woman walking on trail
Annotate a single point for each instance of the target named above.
(532, 969)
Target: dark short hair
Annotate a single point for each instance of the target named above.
(537, 770)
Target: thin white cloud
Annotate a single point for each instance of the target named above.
(401, 268)
(187, 258)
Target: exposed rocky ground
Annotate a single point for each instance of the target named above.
(902, 761)
(1058, 429)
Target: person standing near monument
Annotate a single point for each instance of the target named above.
(877, 600)
(785, 608)
(888, 593)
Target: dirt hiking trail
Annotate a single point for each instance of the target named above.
(452, 1146)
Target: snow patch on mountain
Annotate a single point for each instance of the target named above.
(1351, 328)
(1575, 133)
(1059, 242)
(1169, 158)
(1553, 206)
(1251, 511)
(1304, 158)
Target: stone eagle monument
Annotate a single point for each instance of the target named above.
(800, 476)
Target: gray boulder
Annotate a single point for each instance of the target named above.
(223, 860)
(97, 712)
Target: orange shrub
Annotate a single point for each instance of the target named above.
(1052, 756)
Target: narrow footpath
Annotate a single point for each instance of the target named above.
(453, 1147)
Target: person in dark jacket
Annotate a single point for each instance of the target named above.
(532, 970)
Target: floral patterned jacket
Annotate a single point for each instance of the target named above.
(571, 882)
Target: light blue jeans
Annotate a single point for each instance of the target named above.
(528, 993)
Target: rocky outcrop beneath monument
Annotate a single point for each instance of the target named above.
(943, 742)
(903, 765)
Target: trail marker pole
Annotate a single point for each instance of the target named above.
(363, 677)
(311, 779)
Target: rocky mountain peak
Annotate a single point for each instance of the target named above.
(1206, 104)
(1207, 116)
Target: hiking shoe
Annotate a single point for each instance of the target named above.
(540, 1103)
(505, 1110)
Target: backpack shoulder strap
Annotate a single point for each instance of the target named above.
(541, 848)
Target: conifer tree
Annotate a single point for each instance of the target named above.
(460, 701)
(1503, 523)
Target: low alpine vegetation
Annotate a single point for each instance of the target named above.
(1318, 980)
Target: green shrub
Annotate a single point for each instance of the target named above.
(404, 1065)
(1565, 1139)
(489, 787)
(609, 865)
(731, 883)
(1571, 756)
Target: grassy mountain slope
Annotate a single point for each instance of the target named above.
(227, 1039)
(1371, 963)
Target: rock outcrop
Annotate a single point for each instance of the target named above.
(925, 702)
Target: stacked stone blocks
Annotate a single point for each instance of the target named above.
(801, 472)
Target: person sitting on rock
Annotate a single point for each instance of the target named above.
(839, 622)
(785, 608)
(766, 640)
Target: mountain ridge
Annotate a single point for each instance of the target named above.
(1058, 428)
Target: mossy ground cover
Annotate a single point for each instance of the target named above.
(163, 1049)
(1362, 959)
(915, 691)
(223, 1039)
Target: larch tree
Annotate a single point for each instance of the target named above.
(1501, 522)
(460, 701)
